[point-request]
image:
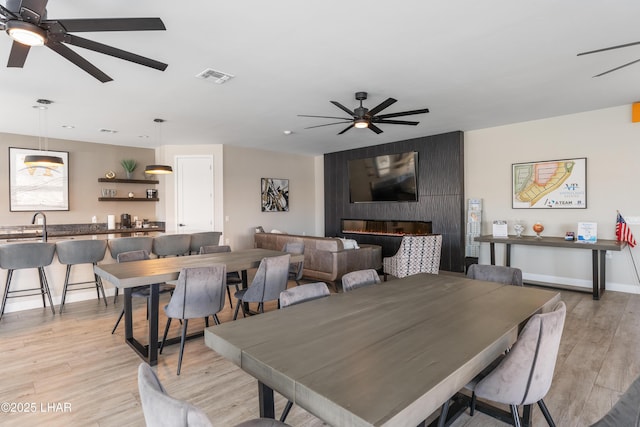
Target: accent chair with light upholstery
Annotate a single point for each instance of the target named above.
(143, 291)
(233, 277)
(271, 278)
(303, 293)
(295, 269)
(523, 376)
(199, 293)
(495, 273)
(162, 410)
(359, 279)
(128, 244)
(417, 254)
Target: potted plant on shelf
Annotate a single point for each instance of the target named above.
(129, 165)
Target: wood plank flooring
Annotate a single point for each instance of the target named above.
(71, 371)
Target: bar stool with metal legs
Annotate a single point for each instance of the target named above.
(73, 252)
(19, 256)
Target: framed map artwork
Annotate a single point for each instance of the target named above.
(551, 184)
(38, 188)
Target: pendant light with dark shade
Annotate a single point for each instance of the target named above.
(42, 160)
(158, 169)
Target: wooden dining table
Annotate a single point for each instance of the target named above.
(385, 355)
(159, 270)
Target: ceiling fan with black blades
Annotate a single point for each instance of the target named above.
(26, 23)
(612, 48)
(363, 117)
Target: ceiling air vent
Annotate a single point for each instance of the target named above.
(214, 76)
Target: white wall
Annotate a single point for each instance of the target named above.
(611, 144)
(243, 169)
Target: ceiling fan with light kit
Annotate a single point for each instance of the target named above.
(612, 48)
(363, 117)
(26, 23)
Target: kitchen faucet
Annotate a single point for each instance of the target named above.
(44, 224)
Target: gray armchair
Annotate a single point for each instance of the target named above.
(495, 273)
(233, 277)
(303, 293)
(128, 244)
(523, 376)
(358, 279)
(199, 293)
(295, 269)
(162, 410)
(271, 278)
(143, 291)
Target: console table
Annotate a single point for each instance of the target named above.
(598, 253)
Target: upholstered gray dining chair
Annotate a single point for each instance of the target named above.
(199, 293)
(358, 279)
(205, 238)
(162, 410)
(523, 376)
(626, 412)
(233, 277)
(303, 293)
(171, 245)
(417, 254)
(495, 273)
(271, 278)
(143, 291)
(128, 244)
(298, 295)
(295, 269)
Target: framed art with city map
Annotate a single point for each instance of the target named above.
(550, 184)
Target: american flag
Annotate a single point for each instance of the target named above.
(623, 233)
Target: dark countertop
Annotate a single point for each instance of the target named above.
(20, 232)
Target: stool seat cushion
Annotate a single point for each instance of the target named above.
(81, 251)
(14, 256)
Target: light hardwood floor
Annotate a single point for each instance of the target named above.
(73, 372)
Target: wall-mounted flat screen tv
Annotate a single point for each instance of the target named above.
(387, 178)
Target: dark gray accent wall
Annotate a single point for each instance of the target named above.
(440, 189)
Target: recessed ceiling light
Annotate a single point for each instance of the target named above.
(108, 131)
(287, 132)
(143, 136)
(68, 126)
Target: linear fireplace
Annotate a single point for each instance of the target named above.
(385, 228)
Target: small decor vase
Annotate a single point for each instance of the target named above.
(538, 228)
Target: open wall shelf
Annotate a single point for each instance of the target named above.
(130, 181)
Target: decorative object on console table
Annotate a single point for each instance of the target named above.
(587, 232)
(538, 228)
(275, 195)
(500, 228)
(559, 184)
(38, 188)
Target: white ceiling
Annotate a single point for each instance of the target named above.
(474, 64)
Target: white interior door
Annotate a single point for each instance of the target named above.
(194, 194)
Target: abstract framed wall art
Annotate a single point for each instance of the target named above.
(274, 195)
(38, 188)
(550, 184)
